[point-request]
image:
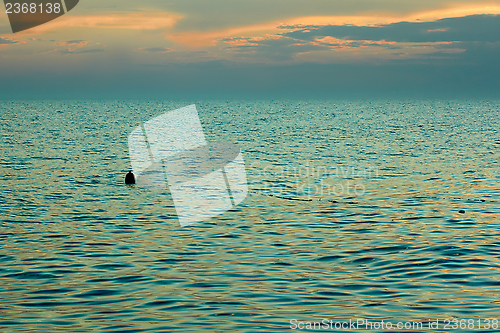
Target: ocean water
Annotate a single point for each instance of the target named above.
(357, 210)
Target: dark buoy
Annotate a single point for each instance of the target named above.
(461, 211)
(130, 178)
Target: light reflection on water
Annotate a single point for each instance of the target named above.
(81, 251)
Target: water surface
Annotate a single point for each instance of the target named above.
(357, 209)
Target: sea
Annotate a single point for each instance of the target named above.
(361, 216)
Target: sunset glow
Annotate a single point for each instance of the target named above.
(139, 37)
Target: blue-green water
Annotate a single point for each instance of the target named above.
(395, 216)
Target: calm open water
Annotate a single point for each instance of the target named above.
(357, 209)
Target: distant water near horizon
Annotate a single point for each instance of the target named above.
(357, 210)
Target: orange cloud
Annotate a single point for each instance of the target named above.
(79, 46)
(125, 21)
(202, 39)
(5, 42)
(428, 16)
(252, 41)
(337, 43)
(74, 43)
(374, 52)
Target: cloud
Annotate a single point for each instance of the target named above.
(420, 41)
(73, 42)
(122, 21)
(203, 38)
(79, 46)
(444, 50)
(69, 51)
(272, 47)
(483, 28)
(4, 41)
(200, 14)
(155, 49)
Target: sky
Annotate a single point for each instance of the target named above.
(258, 48)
